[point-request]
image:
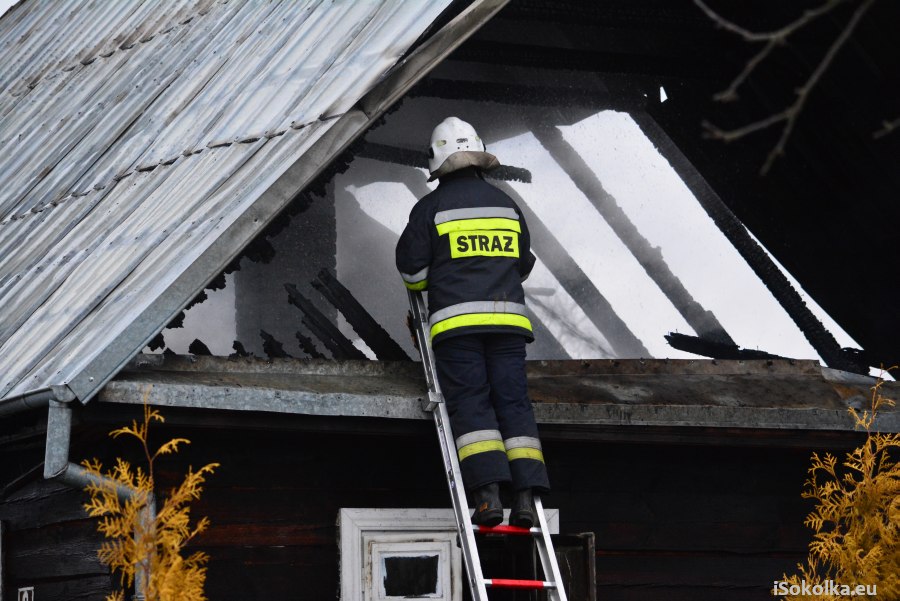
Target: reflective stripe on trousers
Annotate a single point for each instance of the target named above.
(482, 377)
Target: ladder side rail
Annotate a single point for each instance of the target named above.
(460, 506)
(420, 326)
(436, 404)
(547, 555)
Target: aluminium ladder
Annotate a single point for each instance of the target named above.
(478, 584)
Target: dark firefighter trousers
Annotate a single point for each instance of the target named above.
(482, 377)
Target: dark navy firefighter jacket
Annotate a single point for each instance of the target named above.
(467, 244)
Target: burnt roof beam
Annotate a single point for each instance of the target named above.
(650, 257)
(822, 341)
(577, 284)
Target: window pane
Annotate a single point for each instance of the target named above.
(411, 576)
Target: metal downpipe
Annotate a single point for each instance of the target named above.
(58, 467)
(35, 399)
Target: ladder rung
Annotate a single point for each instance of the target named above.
(505, 530)
(518, 584)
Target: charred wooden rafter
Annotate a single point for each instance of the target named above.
(753, 253)
(415, 158)
(714, 349)
(308, 346)
(650, 257)
(322, 328)
(531, 95)
(548, 57)
(375, 336)
(197, 347)
(239, 350)
(576, 283)
(272, 347)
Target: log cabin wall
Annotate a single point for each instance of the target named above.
(686, 517)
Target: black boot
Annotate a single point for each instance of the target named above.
(523, 513)
(488, 509)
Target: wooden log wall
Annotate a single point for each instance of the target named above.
(671, 521)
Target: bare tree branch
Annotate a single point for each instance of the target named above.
(773, 39)
(783, 33)
(730, 93)
(803, 92)
(731, 135)
(886, 128)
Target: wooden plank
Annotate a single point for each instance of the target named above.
(307, 345)
(375, 336)
(682, 593)
(322, 327)
(685, 525)
(3, 529)
(86, 588)
(687, 571)
(304, 534)
(576, 559)
(41, 503)
(302, 574)
(55, 551)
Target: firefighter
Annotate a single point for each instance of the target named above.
(467, 244)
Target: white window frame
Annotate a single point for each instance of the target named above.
(448, 587)
(361, 528)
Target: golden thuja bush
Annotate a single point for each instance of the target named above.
(155, 544)
(857, 516)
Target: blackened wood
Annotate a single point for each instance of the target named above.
(690, 571)
(82, 588)
(158, 342)
(2, 561)
(41, 503)
(669, 517)
(323, 336)
(375, 336)
(576, 559)
(577, 284)
(650, 257)
(307, 346)
(21, 480)
(272, 347)
(322, 328)
(62, 550)
(752, 252)
(415, 158)
(298, 573)
(239, 350)
(274, 534)
(198, 348)
(713, 349)
(651, 592)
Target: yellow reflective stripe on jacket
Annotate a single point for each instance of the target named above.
(487, 223)
(484, 446)
(481, 319)
(477, 307)
(525, 453)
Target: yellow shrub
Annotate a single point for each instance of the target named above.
(857, 515)
(154, 544)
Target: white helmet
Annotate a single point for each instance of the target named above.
(455, 145)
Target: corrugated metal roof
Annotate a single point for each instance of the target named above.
(134, 134)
